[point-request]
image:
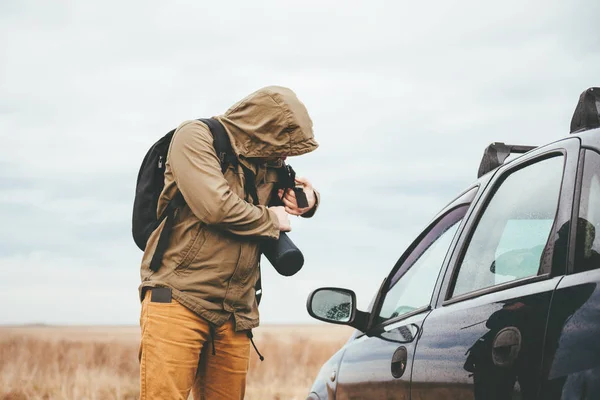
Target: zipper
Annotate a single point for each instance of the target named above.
(160, 161)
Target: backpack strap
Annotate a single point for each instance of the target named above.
(250, 184)
(163, 241)
(222, 143)
(250, 188)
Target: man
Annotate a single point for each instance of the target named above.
(198, 308)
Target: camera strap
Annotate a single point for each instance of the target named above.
(250, 189)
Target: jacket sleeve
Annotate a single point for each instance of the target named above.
(197, 173)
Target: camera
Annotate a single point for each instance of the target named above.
(282, 253)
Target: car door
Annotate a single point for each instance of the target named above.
(374, 364)
(572, 350)
(484, 339)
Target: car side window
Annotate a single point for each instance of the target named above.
(511, 234)
(587, 249)
(413, 289)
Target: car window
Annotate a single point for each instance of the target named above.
(414, 287)
(587, 251)
(512, 233)
(521, 234)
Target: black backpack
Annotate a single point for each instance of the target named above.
(151, 181)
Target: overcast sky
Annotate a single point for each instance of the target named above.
(404, 97)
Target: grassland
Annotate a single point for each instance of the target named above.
(97, 363)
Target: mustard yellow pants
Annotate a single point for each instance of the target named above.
(176, 355)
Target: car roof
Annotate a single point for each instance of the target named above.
(590, 138)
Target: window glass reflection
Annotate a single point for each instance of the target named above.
(510, 236)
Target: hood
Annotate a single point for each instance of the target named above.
(271, 122)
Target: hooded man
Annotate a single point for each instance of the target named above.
(198, 308)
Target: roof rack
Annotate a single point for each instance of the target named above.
(585, 117)
(496, 153)
(587, 112)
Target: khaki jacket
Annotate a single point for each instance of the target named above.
(211, 263)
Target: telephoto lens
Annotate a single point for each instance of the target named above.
(283, 255)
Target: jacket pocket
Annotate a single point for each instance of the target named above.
(195, 246)
(247, 263)
(184, 234)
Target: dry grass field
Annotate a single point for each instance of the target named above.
(101, 362)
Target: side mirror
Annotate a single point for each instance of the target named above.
(337, 306)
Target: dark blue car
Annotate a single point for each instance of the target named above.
(498, 297)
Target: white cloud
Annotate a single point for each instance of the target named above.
(404, 97)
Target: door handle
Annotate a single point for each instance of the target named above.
(399, 362)
(506, 347)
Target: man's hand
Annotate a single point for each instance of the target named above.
(289, 199)
(283, 218)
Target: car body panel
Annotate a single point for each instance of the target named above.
(572, 350)
(325, 384)
(556, 314)
(366, 368)
(453, 357)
